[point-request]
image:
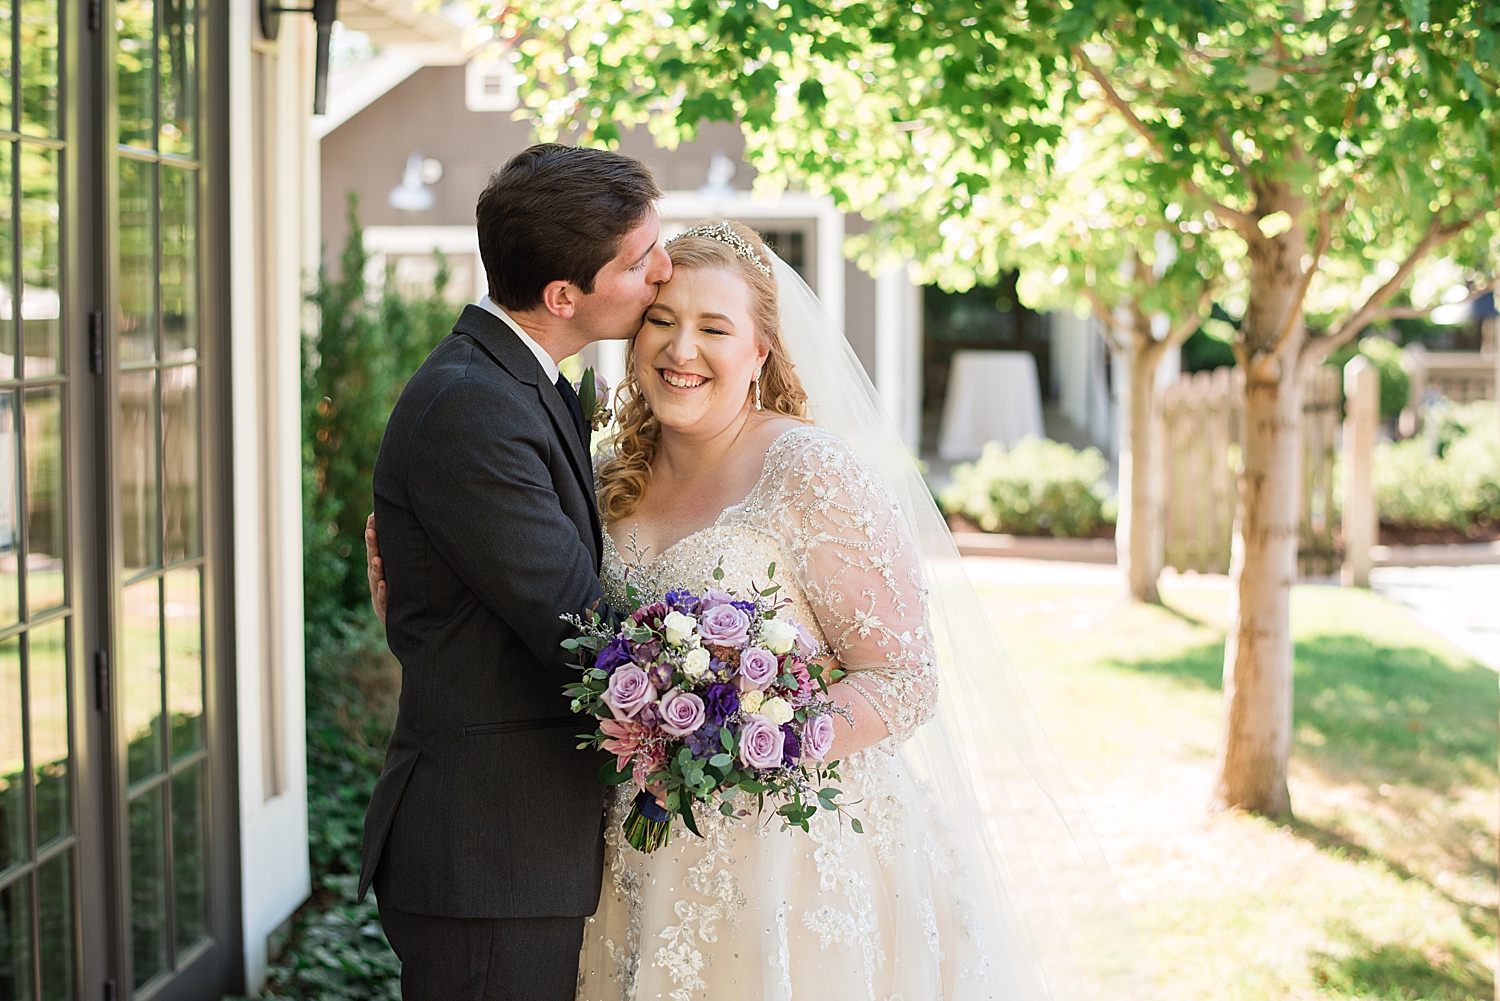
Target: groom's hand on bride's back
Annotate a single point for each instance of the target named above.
(374, 569)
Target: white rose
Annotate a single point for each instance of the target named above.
(678, 627)
(750, 702)
(695, 664)
(776, 709)
(778, 637)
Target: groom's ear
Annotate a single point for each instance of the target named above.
(561, 299)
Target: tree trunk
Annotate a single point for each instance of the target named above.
(1138, 528)
(1263, 562)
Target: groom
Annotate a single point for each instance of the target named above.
(484, 835)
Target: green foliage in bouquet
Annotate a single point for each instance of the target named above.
(1039, 487)
(1459, 487)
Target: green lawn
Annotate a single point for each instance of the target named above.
(1384, 884)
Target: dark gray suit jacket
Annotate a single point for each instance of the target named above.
(485, 504)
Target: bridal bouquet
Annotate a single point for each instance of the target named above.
(704, 697)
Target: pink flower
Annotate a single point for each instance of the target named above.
(761, 743)
(805, 685)
(629, 691)
(681, 712)
(624, 740)
(757, 669)
(817, 737)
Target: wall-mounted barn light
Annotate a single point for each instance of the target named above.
(324, 13)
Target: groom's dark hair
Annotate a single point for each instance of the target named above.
(557, 213)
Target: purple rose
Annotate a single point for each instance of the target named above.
(720, 702)
(629, 691)
(791, 747)
(817, 737)
(681, 712)
(725, 625)
(681, 600)
(713, 598)
(758, 668)
(760, 743)
(615, 653)
(807, 646)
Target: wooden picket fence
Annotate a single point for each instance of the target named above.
(1203, 427)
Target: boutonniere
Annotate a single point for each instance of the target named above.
(593, 400)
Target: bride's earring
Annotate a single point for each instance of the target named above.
(757, 389)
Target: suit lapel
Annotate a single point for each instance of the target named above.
(501, 344)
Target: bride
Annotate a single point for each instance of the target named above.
(975, 876)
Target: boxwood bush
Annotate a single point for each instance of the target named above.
(1039, 487)
(1456, 488)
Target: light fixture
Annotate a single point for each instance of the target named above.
(412, 194)
(721, 171)
(324, 13)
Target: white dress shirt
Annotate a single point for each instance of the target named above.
(542, 357)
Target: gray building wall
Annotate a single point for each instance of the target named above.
(426, 113)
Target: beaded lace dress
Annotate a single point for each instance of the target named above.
(750, 912)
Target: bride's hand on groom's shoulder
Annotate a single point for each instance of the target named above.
(374, 569)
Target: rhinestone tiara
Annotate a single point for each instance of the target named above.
(722, 232)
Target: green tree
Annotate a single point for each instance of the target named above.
(1327, 150)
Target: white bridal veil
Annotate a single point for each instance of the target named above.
(1056, 922)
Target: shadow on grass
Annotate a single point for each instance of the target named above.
(1370, 713)
(1396, 972)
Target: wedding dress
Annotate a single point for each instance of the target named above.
(749, 910)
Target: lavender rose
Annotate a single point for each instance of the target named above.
(615, 653)
(758, 668)
(725, 625)
(720, 702)
(713, 598)
(629, 691)
(817, 738)
(681, 712)
(807, 647)
(761, 743)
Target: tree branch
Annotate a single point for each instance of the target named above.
(1243, 221)
(1325, 238)
(1188, 324)
(1371, 311)
(1107, 317)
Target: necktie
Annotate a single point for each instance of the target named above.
(570, 397)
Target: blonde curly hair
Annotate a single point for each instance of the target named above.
(624, 476)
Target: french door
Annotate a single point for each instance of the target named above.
(116, 816)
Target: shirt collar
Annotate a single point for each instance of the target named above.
(542, 357)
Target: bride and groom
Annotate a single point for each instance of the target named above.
(746, 435)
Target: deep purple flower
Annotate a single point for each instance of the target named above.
(758, 668)
(629, 691)
(682, 600)
(704, 742)
(650, 615)
(748, 607)
(720, 701)
(725, 625)
(660, 675)
(791, 747)
(817, 737)
(615, 653)
(681, 712)
(760, 743)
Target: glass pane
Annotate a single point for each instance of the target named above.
(40, 264)
(148, 885)
(137, 470)
(140, 677)
(7, 260)
(135, 34)
(39, 67)
(137, 281)
(5, 66)
(179, 70)
(184, 624)
(13, 825)
(46, 518)
(55, 886)
(10, 501)
(15, 939)
(179, 429)
(47, 677)
(179, 263)
(189, 882)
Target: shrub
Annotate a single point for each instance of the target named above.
(1459, 488)
(1395, 383)
(341, 953)
(1039, 487)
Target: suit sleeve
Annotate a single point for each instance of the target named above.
(485, 497)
